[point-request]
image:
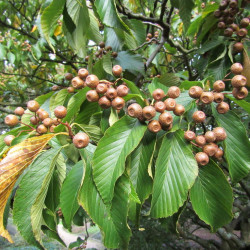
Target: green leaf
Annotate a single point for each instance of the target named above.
(137, 97)
(109, 158)
(93, 32)
(93, 131)
(107, 64)
(108, 14)
(236, 144)
(11, 57)
(98, 69)
(57, 99)
(131, 62)
(49, 18)
(113, 118)
(2, 52)
(74, 8)
(188, 84)
(155, 84)
(32, 190)
(212, 196)
(114, 38)
(169, 79)
(133, 88)
(208, 45)
(91, 201)
(175, 173)
(242, 103)
(69, 193)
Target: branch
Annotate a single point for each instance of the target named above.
(8, 111)
(245, 188)
(163, 8)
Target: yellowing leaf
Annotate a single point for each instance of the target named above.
(58, 30)
(11, 167)
(246, 67)
(17, 22)
(180, 29)
(34, 29)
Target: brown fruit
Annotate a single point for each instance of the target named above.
(33, 105)
(165, 119)
(68, 76)
(122, 90)
(223, 5)
(240, 93)
(118, 103)
(242, 32)
(77, 82)
(60, 112)
(71, 89)
(244, 22)
(39, 111)
(160, 106)
(173, 92)
(220, 133)
(179, 109)
(148, 112)
(202, 158)
(104, 102)
(234, 26)
(236, 68)
(207, 97)
(238, 81)
(210, 136)
(170, 104)
(154, 126)
(19, 111)
(101, 88)
(8, 139)
(56, 121)
(108, 48)
(238, 47)
(114, 54)
(218, 97)
(43, 115)
(92, 95)
(200, 140)
(228, 32)
(135, 110)
(55, 87)
(219, 153)
(81, 140)
(210, 149)
(221, 25)
(149, 35)
(34, 120)
(52, 128)
(233, 3)
(219, 86)
(199, 116)
(47, 122)
(83, 73)
(111, 93)
(92, 81)
(117, 70)
(189, 135)
(230, 20)
(217, 13)
(158, 94)
(11, 120)
(41, 129)
(102, 45)
(86, 58)
(195, 91)
(222, 108)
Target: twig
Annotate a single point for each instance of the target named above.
(8, 111)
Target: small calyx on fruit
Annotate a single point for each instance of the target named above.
(77, 83)
(222, 108)
(219, 86)
(11, 120)
(202, 158)
(195, 92)
(83, 73)
(149, 112)
(92, 95)
(135, 110)
(154, 126)
(118, 103)
(189, 135)
(199, 116)
(158, 94)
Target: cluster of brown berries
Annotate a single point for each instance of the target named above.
(226, 14)
(43, 122)
(103, 51)
(150, 36)
(208, 144)
(165, 120)
(26, 46)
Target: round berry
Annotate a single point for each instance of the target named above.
(222, 108)
(111, 93)
(179, 109)
(135, 110)
(220, 133)
(33, 105)
(219, 153)
(210, 149)
(83, 73)
(68, 76)
(210, 136)
(118, 103)
(34, 120)
(19, 111)
(207, 97)
(92, 95)
(189, 135)
(218, 97)
(158, 94)
(195, 91)
(154, 126)
(71, 89)
(200, 140)
(43, 115)
(165, 119)
(199, 116)
(117, 70)
(237, 68)
(238, 81)
(11, 120)
(160, 106)
(81, 140)
(101, 88)
(173, 92)
(77, 83)
(148, 112)
(122, 90)
(92, 81)
(8, 139)
(240, 93)
(170, 104)
(41, 129)
(60, 112)
(104, 102)
(219, 86)
(48, 122)
(202, 158)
